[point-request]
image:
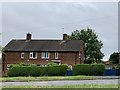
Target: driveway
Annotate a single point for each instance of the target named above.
(63, 82)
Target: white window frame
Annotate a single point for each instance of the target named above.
(31, 55)
(56, 55)
(22, 55)
(45, 55)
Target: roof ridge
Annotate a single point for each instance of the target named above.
(44, 40)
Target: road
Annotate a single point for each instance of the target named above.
(63, 82)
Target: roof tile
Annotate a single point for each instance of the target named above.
(43, 45)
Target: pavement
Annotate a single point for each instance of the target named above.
(63, 82)
(106, 77)
(97, 80)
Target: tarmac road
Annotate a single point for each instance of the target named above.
(63, 82)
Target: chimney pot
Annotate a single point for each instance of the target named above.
(65, 36)
(28, 36)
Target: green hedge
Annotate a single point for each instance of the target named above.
(88, 69)
(33, 70)
(97, 69)
(19, 71)
(60, 70)
(38, 71)
(117, 68)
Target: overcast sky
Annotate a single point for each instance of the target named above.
(46, 20)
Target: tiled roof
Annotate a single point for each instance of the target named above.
(43, 45)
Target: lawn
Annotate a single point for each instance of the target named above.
(45, 78)
(69, 86)
(51, 78)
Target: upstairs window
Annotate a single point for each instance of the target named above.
(22, 55)
(33, 55)
(56, 55)
(45, 55)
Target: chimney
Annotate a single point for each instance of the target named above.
(28, 36)
(65, 37)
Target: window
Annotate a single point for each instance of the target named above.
(45, 55)
(33, 55)
(56, 55)
(22, 55)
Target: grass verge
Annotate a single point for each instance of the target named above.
(69, 86)
(45, 78)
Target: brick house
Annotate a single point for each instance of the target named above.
(40, 52)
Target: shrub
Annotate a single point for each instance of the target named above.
(63, 69)
(52, 64)
(34, 70)
(19, 71)
(81, 69)
(88, 69)
(117, 68)
(57, 70)
(38, 71)
(24, 64)
(97, 69)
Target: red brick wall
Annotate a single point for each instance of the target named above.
(82, 54)
(69, 58)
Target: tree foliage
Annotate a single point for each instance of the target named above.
(114, 58)
(93, 46)
(1, 48)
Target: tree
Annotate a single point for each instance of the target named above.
(1, 48)
(92, 47)
(114, 58)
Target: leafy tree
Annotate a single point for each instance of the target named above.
(92, 44)
(1, 48)
(114, 58)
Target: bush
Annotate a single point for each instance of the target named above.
(52, 64)
(97, 69)
(63, 69)
(19, 71)
(38, 71)
(33, 70)
(57, 70)
(88, 69)
(81, 69)
(117, 68)
(27, 71)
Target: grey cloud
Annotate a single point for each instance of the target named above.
(46, 20)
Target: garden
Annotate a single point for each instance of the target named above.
(55, 70)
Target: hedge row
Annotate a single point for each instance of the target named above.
(32, 70)
(89, 69)
(117, 68)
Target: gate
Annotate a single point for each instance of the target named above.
(69, 73)
(111, 72)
